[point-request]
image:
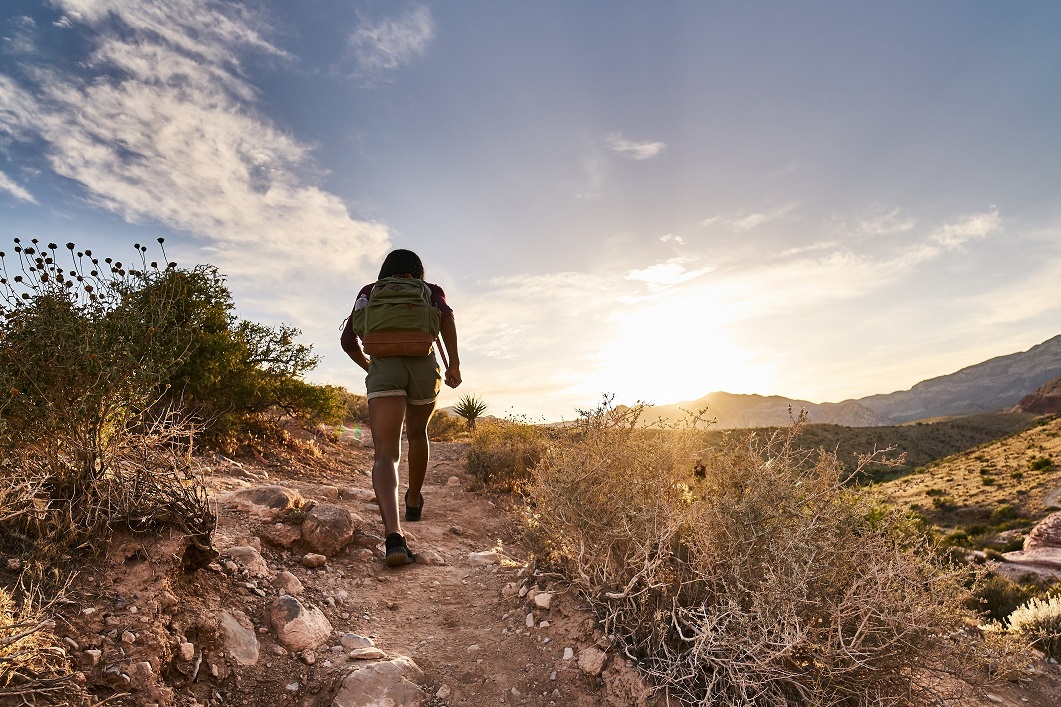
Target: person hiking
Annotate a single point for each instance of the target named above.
(403, 380)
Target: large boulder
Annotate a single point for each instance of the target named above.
(297, 627)
(1046, 534)
(387, 682)
(328, 527)
(238, 636)
(265, 502)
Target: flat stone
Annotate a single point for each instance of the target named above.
(591, 660)
(314, 560)
(543, 600)
(353, 641)
(282, 534)
(370, 653)
(1046, 534)
(481, 559)
(391, 682)
(238, 636)
(250, 559)
(265, 502)
(288, 583)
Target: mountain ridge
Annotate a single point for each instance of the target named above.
(994, 385)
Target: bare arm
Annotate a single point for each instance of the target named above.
(449, 339)
(351, 346)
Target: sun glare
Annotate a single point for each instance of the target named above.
(676, 348)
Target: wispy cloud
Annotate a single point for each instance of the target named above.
(15, 190)
(746, 222)
(666, 274)
(636, 150)
(884, 222)
(671, 238)
(973, 227)
(163, 128)
(392, 43)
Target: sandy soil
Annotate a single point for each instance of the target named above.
(466, 626)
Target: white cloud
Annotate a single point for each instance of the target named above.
(165, 130)
(636, 150)
(671, 238)
(747, 222)
(392, 43)
(973, 227)
(665, 274)
(9, 185)
(884, 222)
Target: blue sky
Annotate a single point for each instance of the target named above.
(822, 200)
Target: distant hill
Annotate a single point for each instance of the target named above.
(992, 386)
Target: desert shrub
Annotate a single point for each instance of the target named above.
(502, 453)
(33, 666)
(944, 503)
(355, 407)
(1043, 463)
(86, 353)
(444, 427)
(996, 596)
(769, 582)
(1039, 622)
(1003, 512)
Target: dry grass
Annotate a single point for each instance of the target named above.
(769, 582)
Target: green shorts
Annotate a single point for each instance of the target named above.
(418, 378)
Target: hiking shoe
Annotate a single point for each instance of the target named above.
(397, 551)
(413, 514)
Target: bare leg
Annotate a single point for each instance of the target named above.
(417, 417)
(386, 416)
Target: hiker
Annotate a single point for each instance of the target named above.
(403, 379)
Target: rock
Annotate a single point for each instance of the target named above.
(308, 657)
(186, 651)
(14, 564)
(1047, 533)
(128, 638)
(288, 583)
(481, 559)
(93, 657)
(238, 637)
(510, 590)
(370, 653)
(356, 494)
(281, 534)
(530, 621)
(313, 560)
(430, 557)
(1041, 560)
(265, 502)
(389, 682)
(328, 527)
(250, 559)
(352, 641)
(167, 600)
(297, 627)
(456, 530)
(543, 600)
(444, 692)
(591, 660)
(453, 481)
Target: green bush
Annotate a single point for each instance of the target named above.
(1003, 512)
(502, 453)
(444, 427)
(768, 582)
(1039, 621)
(997, 596)
(1043, 463)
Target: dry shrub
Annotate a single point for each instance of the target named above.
(502, 453)
(33, 668)
(768, 582)
(444, 427)
(149, 482)
(1039, 622)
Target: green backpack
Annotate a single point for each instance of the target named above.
(398, 319)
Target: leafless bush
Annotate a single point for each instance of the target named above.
(149, 483)
(768, 582)
(33, 668)
(503, 453)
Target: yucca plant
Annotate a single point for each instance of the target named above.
(470, 407)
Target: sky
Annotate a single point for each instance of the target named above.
(820, 200)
